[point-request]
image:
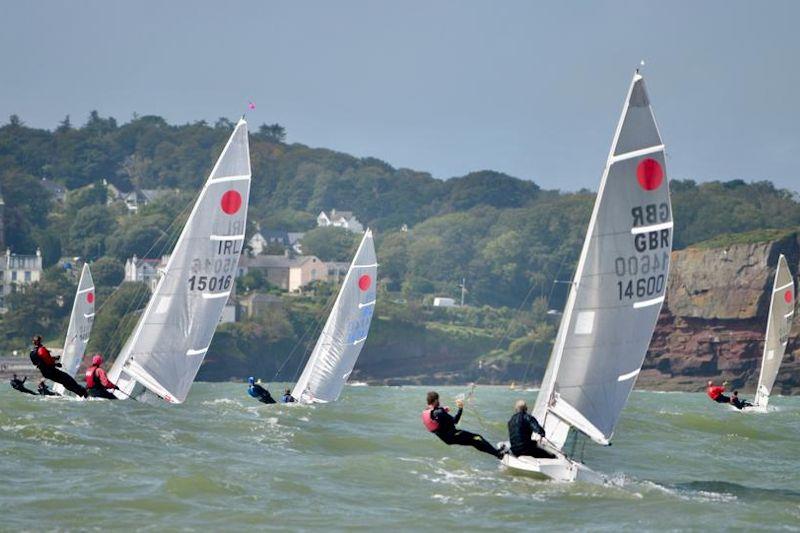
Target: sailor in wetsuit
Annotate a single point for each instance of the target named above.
(437, 419)
(521, 428)
(716, 392)
(48, 366)
(737, 403)
(19, 385)
(258, 392)
(44, 390)
(97, 383)
(287, 397)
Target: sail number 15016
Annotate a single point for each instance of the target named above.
(211, 283)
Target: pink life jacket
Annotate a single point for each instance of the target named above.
(431, 424)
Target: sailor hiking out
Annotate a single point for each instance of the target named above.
(97, 382)
(49, 367)
(258, 392)
(438, 420)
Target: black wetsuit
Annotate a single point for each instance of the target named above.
(19, 385)
(450, 435)
(57, 376)
(521, 427)
(288, 398)
(740, 404)
(44, 390)
(260, 393)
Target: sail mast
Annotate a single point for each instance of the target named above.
(779, 320)
(345, 332)
(174, 333)
(618, 287)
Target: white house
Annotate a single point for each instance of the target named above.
(340, 219)
(18, 270)
(444, 302)
(259, 242)
(145, 270)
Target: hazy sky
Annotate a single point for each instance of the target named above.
(533, 89)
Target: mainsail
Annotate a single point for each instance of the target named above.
(619, 285)
(80, 326)
(781, 311)
(345, 331)
(174, 333)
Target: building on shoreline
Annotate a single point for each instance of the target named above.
(18, 270)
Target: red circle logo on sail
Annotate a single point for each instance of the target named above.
(231, 202)
(787, 296)
(90, 297)
(650, 174)
(364, 282)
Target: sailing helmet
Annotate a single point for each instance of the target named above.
(97, 360)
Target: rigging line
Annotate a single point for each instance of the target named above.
(139, 300)
(530, 360)
(315, 326)
(155, 243)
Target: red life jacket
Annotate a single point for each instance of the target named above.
(431, 424)
(45, 357)
(714, 392)
(90, 378)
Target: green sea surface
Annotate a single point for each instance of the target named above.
(223, 461)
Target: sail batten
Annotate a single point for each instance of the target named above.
(346, 328)
(779, 321)
(618, 287)
(80, 326)
(188, 301)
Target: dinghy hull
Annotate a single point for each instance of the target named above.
(559, 469)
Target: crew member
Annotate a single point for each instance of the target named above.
(97, 382)
(737, 403)
(716, 392)
(287, 397)
(521, 428)
(258, 392)
(48, 366)
(439, 421)
(19, 384)
(44, 390)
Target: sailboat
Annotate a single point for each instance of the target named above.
(345, 332)
(170, 341)
(779, 322)
(614, 300)
(80, 327)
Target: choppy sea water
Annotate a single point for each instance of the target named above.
(222, 461)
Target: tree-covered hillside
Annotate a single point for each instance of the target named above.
(507, 237)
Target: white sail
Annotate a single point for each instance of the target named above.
(345, 331)
(779, 322)
(80, 327)
(618, 288)
(174, 333)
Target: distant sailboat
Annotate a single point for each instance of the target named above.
(779, 322)
(614, 300)
(80, 327)
(171, 339)
(345, 331)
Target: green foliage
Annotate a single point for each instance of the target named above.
(114, 321)
(87, 233)
(108, 272)
(37, 309)
(331, 244)
(288, 220)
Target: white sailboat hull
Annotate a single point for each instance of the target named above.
(559, 469)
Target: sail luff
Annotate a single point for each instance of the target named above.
(335, 352)
(619, 283)
(187, 303)
(80, 326)
(781, 312)
(544, 397)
